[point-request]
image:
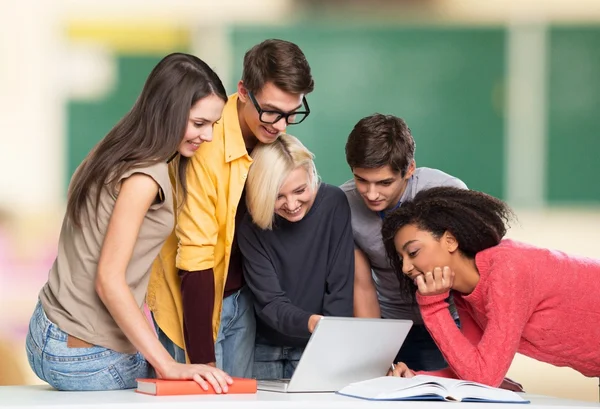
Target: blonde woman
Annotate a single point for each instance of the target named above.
(298, 250)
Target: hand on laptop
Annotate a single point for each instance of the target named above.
(400, 370)
(312, 322)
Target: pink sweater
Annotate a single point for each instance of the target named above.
(540, 303)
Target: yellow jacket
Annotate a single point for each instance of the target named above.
(205, 224)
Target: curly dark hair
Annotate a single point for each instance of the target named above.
(477, 220)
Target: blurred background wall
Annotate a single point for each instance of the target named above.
(503, 94)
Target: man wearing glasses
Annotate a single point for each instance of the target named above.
(197, 293)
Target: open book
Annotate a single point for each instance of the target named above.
(423, 387)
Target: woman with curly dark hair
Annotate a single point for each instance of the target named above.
(511, 297)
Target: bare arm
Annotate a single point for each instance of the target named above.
(366, 304)
(135, 197)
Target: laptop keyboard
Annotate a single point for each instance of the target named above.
(276, 380)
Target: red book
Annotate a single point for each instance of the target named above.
(164, 387)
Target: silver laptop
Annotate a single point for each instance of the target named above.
(341, 351)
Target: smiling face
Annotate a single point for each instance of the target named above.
(421, 252)
(203, 115)
(296, 195)
(269, 98)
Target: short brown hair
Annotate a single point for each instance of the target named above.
(280, 62)
(380, 140)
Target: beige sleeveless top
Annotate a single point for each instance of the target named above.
(69, 297)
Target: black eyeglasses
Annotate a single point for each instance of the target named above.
(271, 117)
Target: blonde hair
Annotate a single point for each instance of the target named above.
(272, 164)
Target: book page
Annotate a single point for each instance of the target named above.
(473, 391)
(423, 387)
(388, 387)
(461, 389)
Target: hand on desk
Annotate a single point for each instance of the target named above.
(202, 374)
(400, 370)
(511, 385)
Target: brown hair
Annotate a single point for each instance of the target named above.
(380, 140)
(280, 62)
(150, 132)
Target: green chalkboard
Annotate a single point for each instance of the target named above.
(574, 115)
(90, 121)
(445, 82)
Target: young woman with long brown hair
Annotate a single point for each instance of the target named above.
(88, 331)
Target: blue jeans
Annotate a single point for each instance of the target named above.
(274, 362)
(234, 348)
(78, 369)
(177, 353)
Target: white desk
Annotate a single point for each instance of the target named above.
(48, 398)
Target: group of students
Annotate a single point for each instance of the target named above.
(202, 206)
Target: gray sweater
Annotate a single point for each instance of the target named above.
(299, 269)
